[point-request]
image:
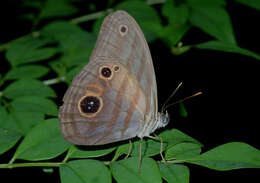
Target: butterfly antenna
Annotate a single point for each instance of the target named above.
(173, 93)
(182, 100)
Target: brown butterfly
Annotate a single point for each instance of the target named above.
(114, 97)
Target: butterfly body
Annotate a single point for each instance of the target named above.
(114, 97)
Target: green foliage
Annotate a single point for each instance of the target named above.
(229, 156)
(175, 173)
(60, 48)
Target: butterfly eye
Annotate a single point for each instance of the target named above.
(123, 29)
(90, 105)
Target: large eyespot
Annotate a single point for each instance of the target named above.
(123, 29)
(105, 72)
(89, 106)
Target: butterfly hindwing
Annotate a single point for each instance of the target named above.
(118, 86)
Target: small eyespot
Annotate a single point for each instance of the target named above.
(90, 104)
(116, 68)
(106, 72)
(123, 29)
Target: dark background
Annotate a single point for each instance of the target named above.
(227, 111)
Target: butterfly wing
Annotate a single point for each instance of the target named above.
(115, 95)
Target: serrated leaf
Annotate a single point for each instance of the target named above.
(35, 104)
(251, 3)
(57, 8)
(126, 171)
(28, 71)
(75, 152)
(174, 173)
(29, 50)
(223, 46)
(84, 171)
(43, 142)
(213, 20)
(183, 151)
(145, 15)
(25, 87)
(233, 155)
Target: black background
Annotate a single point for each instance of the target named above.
(227, 111)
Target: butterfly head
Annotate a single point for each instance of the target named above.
(164, 118)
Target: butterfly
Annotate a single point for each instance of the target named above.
(114, 97)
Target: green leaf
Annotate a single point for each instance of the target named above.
(145, 15)
(26, 120)
(172, 35)
(75, 43)
(126, 171)
(122, 149)
(8, 139)
(223, 46)
(8, 136)
(176, 15)
(174, 173)
(7, 121)
(75, 152)
(183, 151)
(233, 155)
(58, 66)
(28, 71)
(43, 142)
(213, 20)
(29, 50)
(27, 87)
(183, 111)
(73, 72)
(57, 8)
(206, 2)
(35, 104)
(251, 3)
(174, 136)
(150, 147)
(84, 171)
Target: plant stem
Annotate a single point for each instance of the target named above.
(53, 81)
(38, 164)
(91, 16)
(176, 161)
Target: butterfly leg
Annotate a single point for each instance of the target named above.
(156, 137)
(129, 150)
(140, 155)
